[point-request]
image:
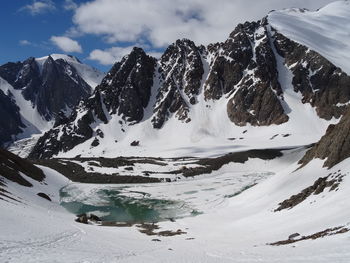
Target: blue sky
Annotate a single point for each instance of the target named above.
(100, 32)
(26, 34)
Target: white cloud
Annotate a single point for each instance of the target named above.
(154, 54)
(25, 42)
(70, 5)
(109, 56)
(66, 44)
(162, 22)
(39, 7)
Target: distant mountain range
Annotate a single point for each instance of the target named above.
(263, 80)
(268, 78)
(37, 91)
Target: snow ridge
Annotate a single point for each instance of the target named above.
(324, 31)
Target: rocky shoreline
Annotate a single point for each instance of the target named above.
(75, 168)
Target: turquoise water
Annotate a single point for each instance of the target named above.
(120, 205)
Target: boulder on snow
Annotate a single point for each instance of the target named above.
(45, 196)
(100, 133)
(135, 143)
(95, 218)
(293, 236)
(95, 142)
(82, 218)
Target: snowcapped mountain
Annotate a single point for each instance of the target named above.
(273, 95)
(41, 89)
(90, 75)
(265, 81)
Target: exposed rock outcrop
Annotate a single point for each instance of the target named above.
(334, 146)
(229, 61)
(10, 122)
(124, 91)
(323, 85)
(181, 71)
(45, 196)
(11, 167)
(246, 63)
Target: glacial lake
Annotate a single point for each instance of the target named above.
(118, 204)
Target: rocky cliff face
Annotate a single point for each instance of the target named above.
(10, 123)
(242, 72)
(322, 84)
(50, 87)
(334, 146)
(125, 91)
(53, 88)
(180, 75)
(259, 94)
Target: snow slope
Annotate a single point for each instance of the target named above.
(233, 228)
(325, 31)
(30, 116)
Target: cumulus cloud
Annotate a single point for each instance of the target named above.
(66, 44)
(109, 56)
(162, 22)
(70, 5)
(39, 7)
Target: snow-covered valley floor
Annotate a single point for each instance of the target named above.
(233, 226)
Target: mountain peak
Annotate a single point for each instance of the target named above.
(184, 41)
(91, 76)
(138, 50)
(257, 77)
(54, 57)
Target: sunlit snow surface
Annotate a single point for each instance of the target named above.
(233, 226)
(325, 31)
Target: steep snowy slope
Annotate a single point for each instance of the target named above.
(325, 31)
(30, 116)
(259, 88)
